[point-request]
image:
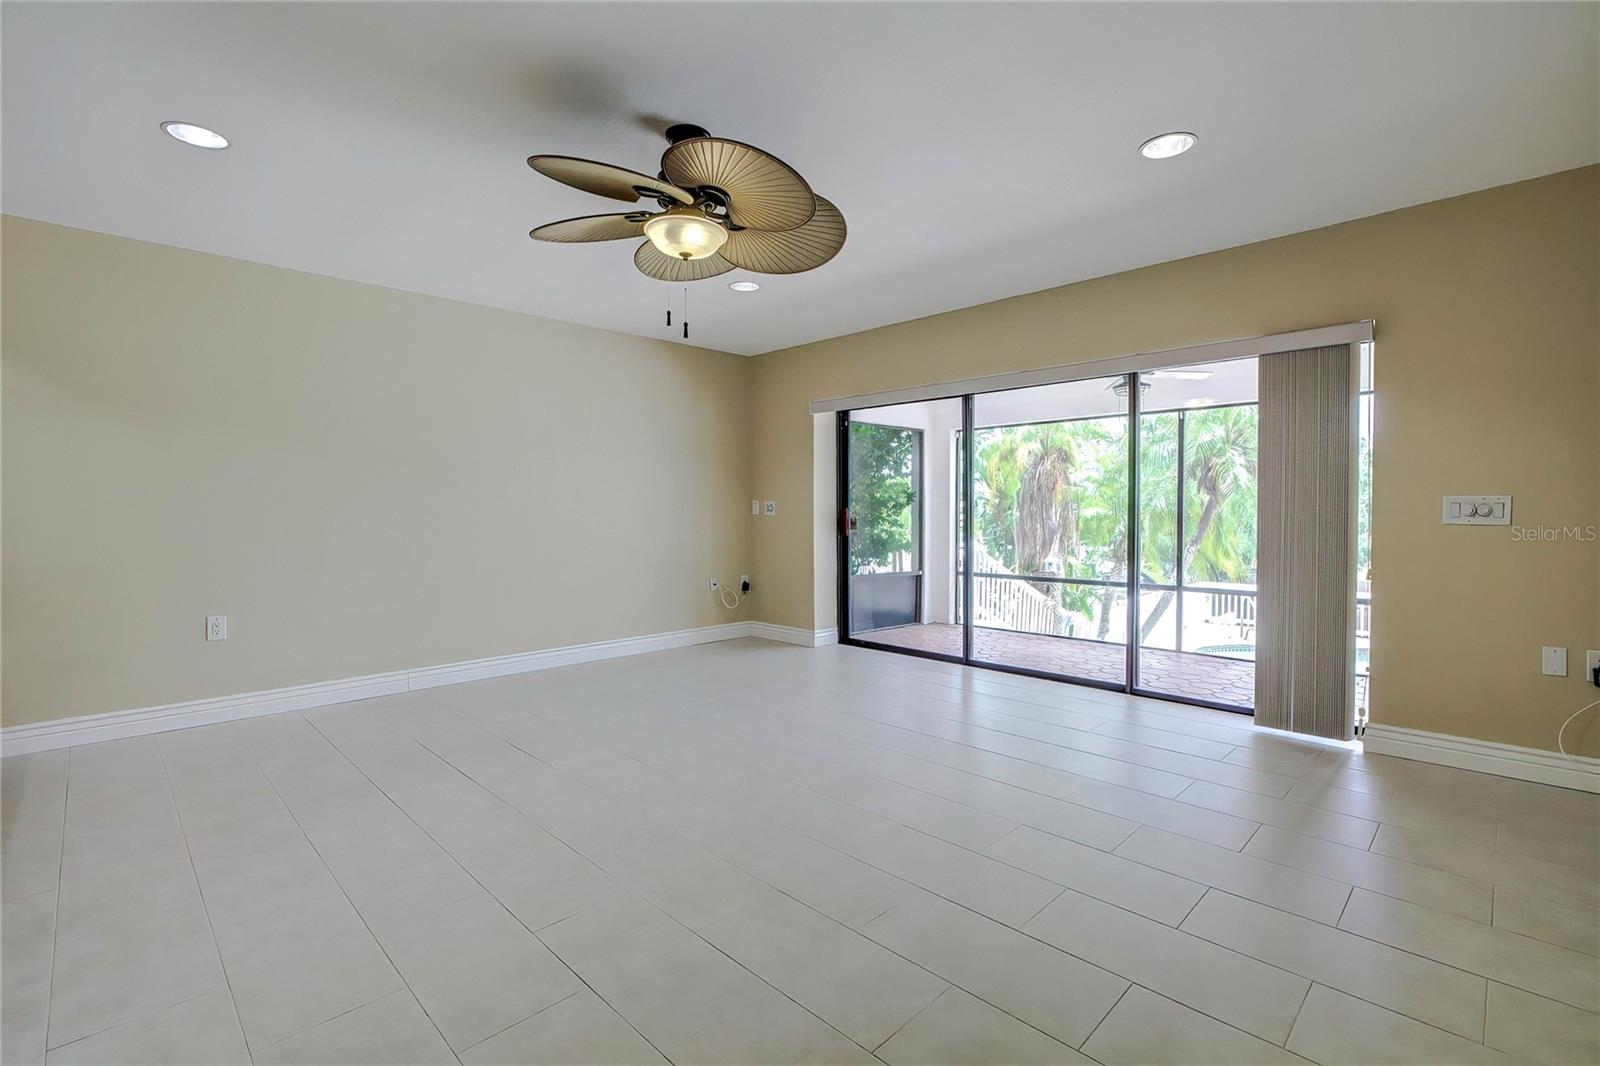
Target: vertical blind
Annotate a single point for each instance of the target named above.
(1304, 567)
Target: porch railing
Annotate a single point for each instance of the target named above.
(1012, 601)
(1007, 601)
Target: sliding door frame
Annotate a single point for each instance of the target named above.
(1130, 367)
(842, 511)
(969, 449)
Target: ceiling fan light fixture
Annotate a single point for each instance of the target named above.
(1167, 145)
(743, 286)
(685, 233)
(727, 206)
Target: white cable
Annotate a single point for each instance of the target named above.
(723, 592)
(1559, 746)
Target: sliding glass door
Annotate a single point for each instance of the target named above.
(998, 529)
(898, 554)
(1197, 534)
(1050, 530)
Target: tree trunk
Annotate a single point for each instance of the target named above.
(1208, 514)
(1120, 549)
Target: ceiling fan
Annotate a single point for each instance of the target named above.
(724, 204)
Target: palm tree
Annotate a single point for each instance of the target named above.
(1060, 490)
(999, 462)
(1045, 511)
(1219, 511)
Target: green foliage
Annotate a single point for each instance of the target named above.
(1364, 489)
(1054, 498)
(882, 496)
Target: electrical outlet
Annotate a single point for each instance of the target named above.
(1554, 661)
(769, 508)
(1591, 663)
(216, 627)
(744, 582)
(712, 584)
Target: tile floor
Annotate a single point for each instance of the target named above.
(747, 852)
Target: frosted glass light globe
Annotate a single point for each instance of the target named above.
(685, 233)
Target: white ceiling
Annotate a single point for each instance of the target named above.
(977, 150)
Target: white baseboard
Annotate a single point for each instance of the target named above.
(114, 725)
(529, 661)
(1505, 760)
(806, 638)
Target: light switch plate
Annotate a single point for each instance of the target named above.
(755, 506)
(1555, 662)
(1477, 510)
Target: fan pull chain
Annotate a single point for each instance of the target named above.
(669, 308)
(686, 312)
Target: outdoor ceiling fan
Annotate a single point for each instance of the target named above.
(724, 204)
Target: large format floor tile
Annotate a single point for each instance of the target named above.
(1510, 958)
(1252, 995)
(1436, 889)
(127, 965)
(1049, 989)
(386, 1031)
(203, 1031)
(754, 853)
(1141, 888)
(679, 992)
(1410, 984)
(1525, 1025)
(958, 1028)
(1278, 886)
(1336, 1028)
(581, 1030)
(1146, 1028)
(27, 943)
(474, 968)
(855, 985)
(299, 967)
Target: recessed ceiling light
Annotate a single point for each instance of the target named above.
(1167, 145)
(199, 136)
(743, 286)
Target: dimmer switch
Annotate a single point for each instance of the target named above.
(1477, 510)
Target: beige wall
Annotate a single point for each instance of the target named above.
(1488, 379)
(367, 480)
(362, 479)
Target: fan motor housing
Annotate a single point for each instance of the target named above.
(683, 131)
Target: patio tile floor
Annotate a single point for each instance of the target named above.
(1205, 677)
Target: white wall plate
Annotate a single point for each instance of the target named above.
(1477, 510)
